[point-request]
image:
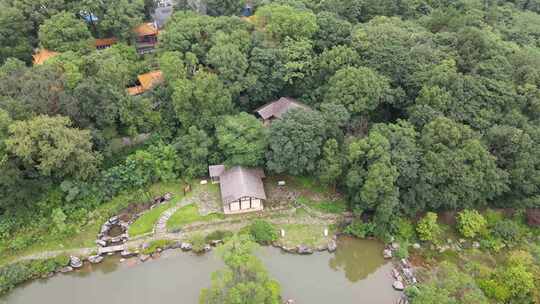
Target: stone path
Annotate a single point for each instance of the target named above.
(161, 225)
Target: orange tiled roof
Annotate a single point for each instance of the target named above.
(43, 55)
(146, 29)
(137, 90)
(148, 81)
(99, 43)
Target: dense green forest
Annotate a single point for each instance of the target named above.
(417, 106)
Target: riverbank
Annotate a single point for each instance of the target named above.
(178, 276)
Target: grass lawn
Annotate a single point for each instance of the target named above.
(148, 220)
(327, 206)
(309, 235)
(190, 214)
(146, 223)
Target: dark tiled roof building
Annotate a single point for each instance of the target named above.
(242, 189)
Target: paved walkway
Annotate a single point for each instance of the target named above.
(161, 225)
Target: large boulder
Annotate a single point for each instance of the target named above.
(304, 250)
(215, 242)
(387, 253)
(127, 254)
(186, 246)
(75, 262)
(95, 259)
(167, 197)
(332, 246)
(398, 285)
(65, 269)
(114, 220)
(144, 257)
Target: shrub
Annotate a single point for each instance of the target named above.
(17, 273)
(508, 231)
(471, 223)
(219, 235)
(403, 251)
(263, 232)
(154, 245)
(198, 242)
(428, 229)
(360, 229)
(405, 229)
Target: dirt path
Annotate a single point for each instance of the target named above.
(276, 217)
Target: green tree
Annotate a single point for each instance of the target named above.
(331, 164)
(201, 101)
(298, 61)
(116, 18)
(404, 155)
(231, 64)
(193, 150)
(224, 7)
(295, 142)
(361, 90)
(456, 171)
(471, 223)
(447, 285)
(517, 153)
(397, 49)
(242, 139)
(64, 32)
(267, 69)
(172, 65)
(371, 179)
(244, 279)
(263, 232)
(513, 281)
(15, 35)
(281, 21)
(332, 31)
(50, 146)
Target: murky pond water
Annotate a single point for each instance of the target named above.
(356, 273)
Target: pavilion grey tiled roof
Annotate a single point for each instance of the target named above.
(216, 171)
(238, 182)
(279, 107)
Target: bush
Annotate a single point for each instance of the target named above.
(360, 229)
(263, 232)
(471, 223)
(17, 273)
(428, 229)
(405, 229)
(508, 231)
(219, 235)
(198, 242)
(154, 245)
(403, 251)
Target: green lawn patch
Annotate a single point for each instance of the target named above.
(326, 206)
(310, 183)
(190, 214)
(303, 234)
(146, 223)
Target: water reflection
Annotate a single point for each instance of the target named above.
(357, 259)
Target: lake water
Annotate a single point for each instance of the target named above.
(356, 273)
